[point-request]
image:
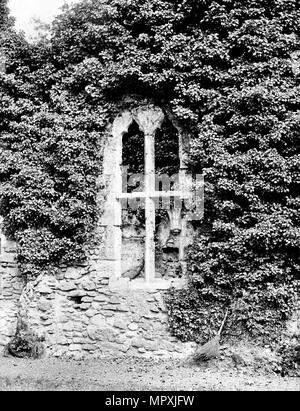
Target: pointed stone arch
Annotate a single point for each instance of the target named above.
(149, 119)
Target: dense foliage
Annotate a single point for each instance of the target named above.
(49, 161)
(223, 69)
(5, 21)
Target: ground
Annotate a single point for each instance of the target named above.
(134, 374)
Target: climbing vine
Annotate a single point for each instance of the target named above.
(50, 160)
(224, 70)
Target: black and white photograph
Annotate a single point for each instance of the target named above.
(150, 198)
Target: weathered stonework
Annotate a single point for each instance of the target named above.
(10, 290)
(90, 310)
(80, 316)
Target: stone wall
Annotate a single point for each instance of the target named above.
(91, 310)
(10, 290)
(80, 316)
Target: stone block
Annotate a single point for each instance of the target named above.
(68, 326)
(99, 321)
(67, 286)
(101, 298)
(90, 313)
(89, 285)
(114, 300)
(88, 347)
(92, 332)
(138, 342)
(44, 305)
(75, 347)
(78, 340)
(76, 293)
(72, 274)
(108, 313)
(61, 340)
(133, 326)
(122, 308)
(84, 306)
(110, 307)
(121, 324)
(91, 293)
(87, 299)
(136, 318)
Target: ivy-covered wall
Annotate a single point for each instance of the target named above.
(84, 310)
(224, 71)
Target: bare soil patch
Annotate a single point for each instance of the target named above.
(134, 374)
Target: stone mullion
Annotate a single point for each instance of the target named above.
(183, 185)
(149, 120)
(149, 207)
